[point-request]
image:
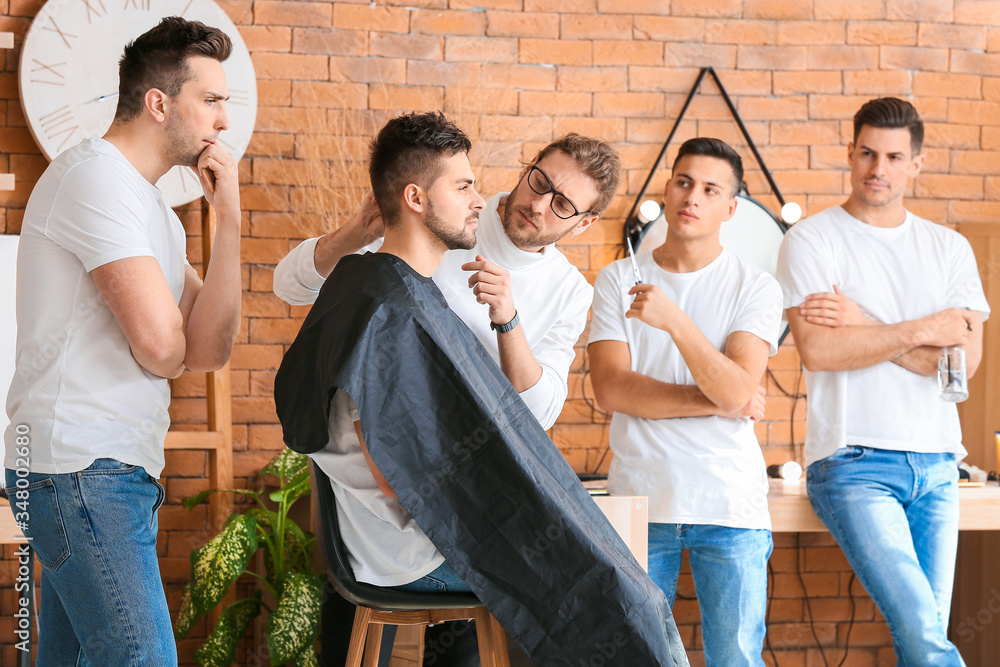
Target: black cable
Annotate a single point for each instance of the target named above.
(805, 596)
(850, 624)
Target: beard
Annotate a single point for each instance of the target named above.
(461, 239)
(524, 236)
(179, 143)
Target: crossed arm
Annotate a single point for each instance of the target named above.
(198, 333)
(727, 383)
(832, 333)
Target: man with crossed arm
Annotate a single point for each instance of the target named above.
(872, 293)
(679, 357)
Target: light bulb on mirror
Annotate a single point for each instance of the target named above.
(791, 212)
(649, 210)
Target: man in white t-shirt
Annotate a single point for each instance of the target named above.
(872, 293)
(107, 310)
(515, 290)
(678, 356)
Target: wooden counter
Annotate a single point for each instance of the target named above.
(792, 513)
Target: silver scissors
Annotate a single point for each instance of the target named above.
(631, 256)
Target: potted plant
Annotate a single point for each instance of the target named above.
(293, 621)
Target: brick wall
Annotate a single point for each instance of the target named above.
(517, 73)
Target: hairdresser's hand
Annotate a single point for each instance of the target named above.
(490, 283)
(367, 223)
(653, 307)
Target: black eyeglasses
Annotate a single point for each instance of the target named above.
(560, 204)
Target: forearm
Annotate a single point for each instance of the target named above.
(516, 360)
(721, 380)
(855, 347)
(333, 247)
(638, 395)
(921, 360)
(214, 321)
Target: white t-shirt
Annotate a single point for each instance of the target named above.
(550, 294)
(76, 385)
(896, 274)
(695, 470)
(385, 546)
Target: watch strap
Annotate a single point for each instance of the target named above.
(510, 326)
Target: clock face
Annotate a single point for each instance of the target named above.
(69, 75)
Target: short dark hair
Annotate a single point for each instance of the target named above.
(408, 149)
(596, 159)
(716, 148)
(892, 113)
(159, 59)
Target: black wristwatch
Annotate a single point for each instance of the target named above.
(504, 328)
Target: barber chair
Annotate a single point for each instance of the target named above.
(378, 606)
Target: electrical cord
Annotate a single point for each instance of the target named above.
(812, 621)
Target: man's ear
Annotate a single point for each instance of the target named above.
(156, 101)
(587, 221)
(414, 198)
(732, 209)
(918, 164)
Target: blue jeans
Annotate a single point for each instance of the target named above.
(442, 580)
(94, 532)
(729, 566)
(895, 515)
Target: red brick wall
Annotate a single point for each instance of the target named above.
(517, 73)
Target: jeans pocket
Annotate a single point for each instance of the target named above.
(844, 455)
(48, 537)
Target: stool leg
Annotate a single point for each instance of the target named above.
(488, 649)
(373, 644)
(501, 657)
(361, 618)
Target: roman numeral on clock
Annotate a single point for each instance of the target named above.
(64, 35)
(137, 4)
(95, 7)
(59, 123)
(238, 97)
(47, 70)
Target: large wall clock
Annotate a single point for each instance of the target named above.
(69, 75)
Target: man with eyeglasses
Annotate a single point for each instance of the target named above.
(521, 297)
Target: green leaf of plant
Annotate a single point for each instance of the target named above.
(292, 491)
(217, 564)
(286, 464)
(191, 502)
(219, 650)
(187, 616)
(294, 623)
(308, 657)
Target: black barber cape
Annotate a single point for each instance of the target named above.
(473, 467)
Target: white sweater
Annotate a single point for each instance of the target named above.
(550, 294)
